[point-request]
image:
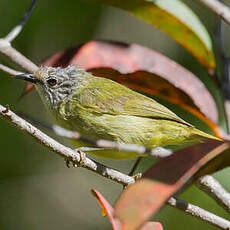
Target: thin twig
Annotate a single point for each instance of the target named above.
(158, 152)
(17, 29)
(199, 213)
(219, 8)
(13, 54)
(131, 173)
(16, 57)
(218, 39)
(224, 80)
(64, 151)
(8, 70)
(214, 189)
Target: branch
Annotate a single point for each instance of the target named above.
(17, 29)
(105, 144)
(214, 189)
(199, 213)
(102, 170)
(100, 144)
(16, 57)
(156, 152)
(10, 52)
(223, 80)
(9, 70)
(64, 151)
(218, 8)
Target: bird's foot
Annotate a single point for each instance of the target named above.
(67, 162)
(82, 158)
(137, 176)
(70, 162)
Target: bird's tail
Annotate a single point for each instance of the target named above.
(203, 135)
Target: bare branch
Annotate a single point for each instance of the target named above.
(64, 151)
(105, 144)
(219, 8)
(104, 171)
(13, 54)
(17, 29)
(157, 152)
(214, 189)
(199, 213)
(16, 57)
(9, 70)
(99, 144)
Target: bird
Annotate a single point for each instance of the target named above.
(100, 108)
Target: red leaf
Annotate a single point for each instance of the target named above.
(143, 199)
(108, 210)
(152, 226)
(29, 87)
(131, 58)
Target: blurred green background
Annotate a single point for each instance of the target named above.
(37, 190)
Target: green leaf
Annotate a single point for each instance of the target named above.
(177, 20)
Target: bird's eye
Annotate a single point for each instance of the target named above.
(52, 82)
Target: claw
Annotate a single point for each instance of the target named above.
(67, 161)
(82, 157)
(137, 176)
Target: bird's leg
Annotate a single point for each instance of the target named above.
(137, 176)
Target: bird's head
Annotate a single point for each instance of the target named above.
(55, 84)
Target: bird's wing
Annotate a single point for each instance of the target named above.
(108, 97)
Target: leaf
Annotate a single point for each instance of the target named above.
(108, 210)
(152, 226)
(144, 198)
(177, 20)
(29, 87)
(162, 77)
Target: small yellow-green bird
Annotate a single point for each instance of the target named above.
(100, 108)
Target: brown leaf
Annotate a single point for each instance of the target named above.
(143, 199)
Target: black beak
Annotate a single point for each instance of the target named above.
(27, 77)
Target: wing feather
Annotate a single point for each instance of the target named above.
(108, 97)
